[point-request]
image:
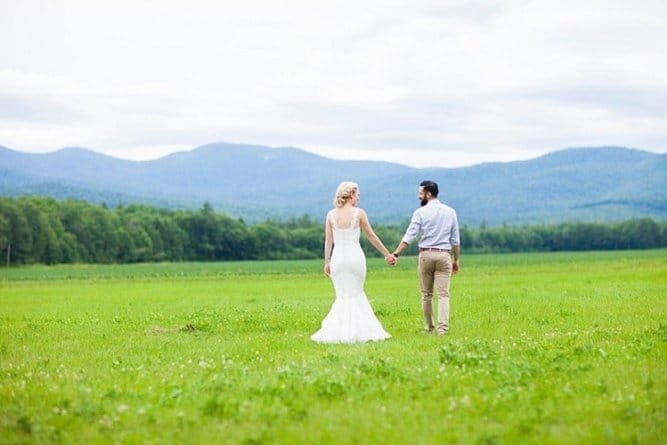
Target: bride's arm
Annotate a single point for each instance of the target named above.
(372, 237)
(328, 245)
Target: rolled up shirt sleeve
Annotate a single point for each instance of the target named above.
(454, 239)
(413, 229)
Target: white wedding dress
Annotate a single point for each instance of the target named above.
(351, 318)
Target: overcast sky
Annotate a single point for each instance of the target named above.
(424, 83)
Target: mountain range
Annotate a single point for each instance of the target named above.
(256, 182)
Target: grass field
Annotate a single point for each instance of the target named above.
(543, 348)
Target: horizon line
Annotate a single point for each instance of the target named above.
(310, 152)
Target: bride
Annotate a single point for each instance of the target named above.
(351, 318)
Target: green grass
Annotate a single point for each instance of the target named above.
(543, 348)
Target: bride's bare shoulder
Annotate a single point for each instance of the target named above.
(331, 214)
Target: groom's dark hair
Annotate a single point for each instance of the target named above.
(430, 186)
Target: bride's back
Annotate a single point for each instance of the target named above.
(345, 217)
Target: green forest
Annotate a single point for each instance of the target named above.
(45, 230)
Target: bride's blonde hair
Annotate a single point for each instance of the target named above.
(344, 192)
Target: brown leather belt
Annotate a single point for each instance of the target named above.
(432, 249)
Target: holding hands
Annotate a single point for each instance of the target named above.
(391, 259)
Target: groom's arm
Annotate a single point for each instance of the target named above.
(456, 252)
(410, 234)
(455, 241)
(400, 248)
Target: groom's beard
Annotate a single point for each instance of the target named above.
(424, 202)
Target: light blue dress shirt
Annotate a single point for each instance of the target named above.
(436, 223)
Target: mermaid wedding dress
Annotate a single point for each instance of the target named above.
(351, 318)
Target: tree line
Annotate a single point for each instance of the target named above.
(44, 230)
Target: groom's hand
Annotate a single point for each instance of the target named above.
(390, 259)
(455, 267)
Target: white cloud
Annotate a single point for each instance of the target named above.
(427, 82)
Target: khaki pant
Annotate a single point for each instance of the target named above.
(435, 270)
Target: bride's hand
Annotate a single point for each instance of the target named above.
(327, 269)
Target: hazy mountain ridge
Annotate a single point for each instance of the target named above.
(255, 182)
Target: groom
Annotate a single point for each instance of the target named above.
(439, 249)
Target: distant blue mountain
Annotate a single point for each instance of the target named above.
(255, 182)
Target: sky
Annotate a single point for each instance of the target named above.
(419, 82)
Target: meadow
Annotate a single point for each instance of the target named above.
(544, 348)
